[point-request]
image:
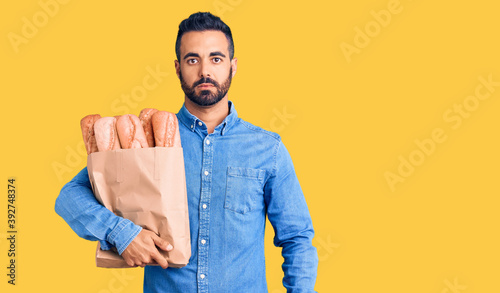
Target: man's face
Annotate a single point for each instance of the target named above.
(205, 70)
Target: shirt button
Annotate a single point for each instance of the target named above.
(204, 206)
(206, 173)
(203, 241)
(199, 123)
(208, 142)
(192, 125)
(202, 276)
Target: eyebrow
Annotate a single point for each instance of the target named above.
(216, 53)
(191, 55)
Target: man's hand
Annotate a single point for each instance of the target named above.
(142, 250)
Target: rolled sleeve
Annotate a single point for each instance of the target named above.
(123, 234)
(89, 219)
(289, 215)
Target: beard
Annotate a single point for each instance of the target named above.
(206, 97)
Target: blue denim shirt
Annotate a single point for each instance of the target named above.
(235, 176)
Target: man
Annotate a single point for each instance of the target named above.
(236, 173)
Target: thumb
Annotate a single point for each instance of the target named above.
(163, 244)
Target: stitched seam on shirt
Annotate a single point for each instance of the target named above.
(232, 171)
(277, 137)
(256, 129)
(126, 243)
(289, 171)
(275, 158)
(116, 231)
(247, 177)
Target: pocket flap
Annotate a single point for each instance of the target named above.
(246, 172)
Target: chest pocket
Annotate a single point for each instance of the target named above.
(244, 189)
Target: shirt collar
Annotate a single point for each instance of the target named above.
(192, 122)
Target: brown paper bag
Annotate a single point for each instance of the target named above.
(148, 187)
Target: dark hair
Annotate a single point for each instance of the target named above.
(203, 21)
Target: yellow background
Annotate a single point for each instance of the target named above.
(348, 124)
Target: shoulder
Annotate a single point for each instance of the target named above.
(259, 131)
(270, 144)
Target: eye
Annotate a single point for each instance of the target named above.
(192, 61)
(217, 60)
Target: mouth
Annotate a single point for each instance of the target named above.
(205, 85)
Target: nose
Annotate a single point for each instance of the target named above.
(204, 69)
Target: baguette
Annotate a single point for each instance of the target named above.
(145, 116)
(130, 132)
(87, 125)
(166, 129)
(106, 135)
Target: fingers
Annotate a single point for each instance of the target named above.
(134, 260)
(160, 260)
(130, 262)
(161, 243)
(143, 250)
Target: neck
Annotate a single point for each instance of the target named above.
(210, 115)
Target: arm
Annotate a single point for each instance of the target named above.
(288, 213)
(77, 205)
(89, 219)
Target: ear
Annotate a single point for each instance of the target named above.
(177, 68)
(234, 65)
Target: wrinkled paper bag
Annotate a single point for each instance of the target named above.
(148, 187)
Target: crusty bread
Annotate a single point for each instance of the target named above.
(145, 116)
(166, 129)
(130, 132)
(87, 125)
(106, 135)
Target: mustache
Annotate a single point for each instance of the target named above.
(206, 80)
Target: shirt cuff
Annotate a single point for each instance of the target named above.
(105, 245)
(123, 234)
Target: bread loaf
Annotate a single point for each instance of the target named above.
(145, 116)
(166, 129)
(130, 132)
(106, 135)
(87, 125)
